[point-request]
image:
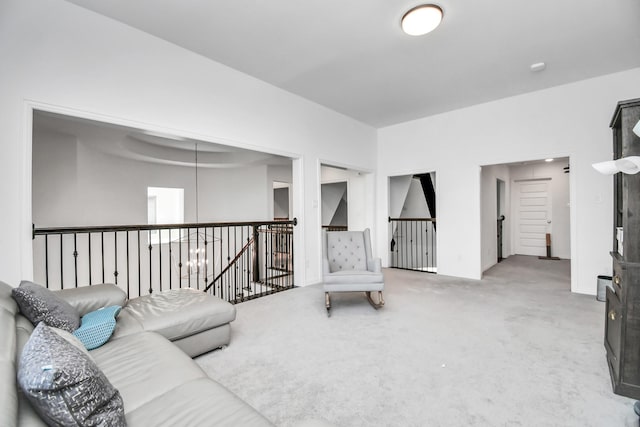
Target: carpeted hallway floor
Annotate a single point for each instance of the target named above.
(514, 349)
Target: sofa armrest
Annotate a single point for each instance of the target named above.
(90, 298)
(374, 265)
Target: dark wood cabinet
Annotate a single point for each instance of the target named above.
(622, 324)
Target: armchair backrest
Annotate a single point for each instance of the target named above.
(347, 250)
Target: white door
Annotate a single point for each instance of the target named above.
(532, 216)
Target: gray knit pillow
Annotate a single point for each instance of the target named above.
(39, 304)
(64, 385)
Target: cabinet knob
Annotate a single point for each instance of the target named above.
(616, 279)
(612, 315)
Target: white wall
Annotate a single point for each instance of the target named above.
(56, 193)
(564, 121)
(560, 206)
(81, 63)
(76, 185)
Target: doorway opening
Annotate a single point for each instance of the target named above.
(412, 222)
(335, 206)
(525, 210)
(346, 198)
(281, 201)
(500, 207)
(100, 199)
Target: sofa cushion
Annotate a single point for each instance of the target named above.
(199, 402)
(64, 385)
(144, 366)
(97, 326)
(72, 339)
(39, 304)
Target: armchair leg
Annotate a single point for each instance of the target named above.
(327, 303)
(374, 304)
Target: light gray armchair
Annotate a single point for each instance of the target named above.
(348, 266)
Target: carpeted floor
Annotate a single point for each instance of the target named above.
(514, 349)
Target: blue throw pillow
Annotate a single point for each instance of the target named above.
(96, 327)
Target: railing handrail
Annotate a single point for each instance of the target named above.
(144, 227)
(412, 219)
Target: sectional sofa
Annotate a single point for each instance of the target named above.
(147, 361)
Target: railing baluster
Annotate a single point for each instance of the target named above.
(90, 265)
(180, 258)
(150, 264)
(228, 260)
(160, 259)
(61, 264)
(102, 253)
(189, 257)
(213, 255)
(423, 251)
(75, 257)
(197, 257)
(139, 269)
(170, 258)
(128, 270)
(46, 260)
(115, 256)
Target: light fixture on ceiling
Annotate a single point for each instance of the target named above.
(422, 19)
(548, 160)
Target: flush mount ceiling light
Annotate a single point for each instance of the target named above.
(421, 19)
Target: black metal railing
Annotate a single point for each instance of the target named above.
(413, 244)
(233, 260)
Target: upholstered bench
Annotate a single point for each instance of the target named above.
(193, 320)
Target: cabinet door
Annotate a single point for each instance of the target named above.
(613, 333)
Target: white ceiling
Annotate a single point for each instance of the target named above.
(352, 57)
